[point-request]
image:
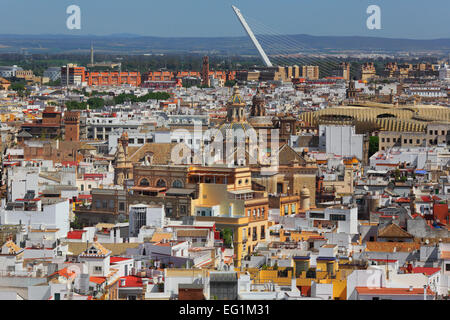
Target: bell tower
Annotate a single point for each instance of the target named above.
(123, 168)
(72, 126)
(236, 107)
(258, 104)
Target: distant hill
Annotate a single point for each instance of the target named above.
(135, 44)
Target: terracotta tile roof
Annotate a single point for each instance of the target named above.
(117, 249)
(192, 233)
(64, 272)
(425, 270)
(130, 282)
(393, 231)
(390, 246)
(160, 236)
(12, 247)
(75, 234)
(97, 280)
(391, 291)
(161, 152)
(117, 259)
(101, 251)
(445, 255)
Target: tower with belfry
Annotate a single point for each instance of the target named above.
(205, 71)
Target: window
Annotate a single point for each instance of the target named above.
(111, 204)
(121, 206)
(161, 183)
(97, 269)
(144, 182)
(105, 204)
(317, 215)
(337, 217)
(177, 184)
(263, 232)
(140, 141)
(447, 267)
(286, 209)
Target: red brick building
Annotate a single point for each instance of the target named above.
(112, 78)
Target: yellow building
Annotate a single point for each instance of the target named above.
(326, 271)
(242, 211)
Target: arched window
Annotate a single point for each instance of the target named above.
(177, 184)
(144, 182)
(161, 183)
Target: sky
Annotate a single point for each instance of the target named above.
(413, 19)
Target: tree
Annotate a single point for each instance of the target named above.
(17, 86)
(374, 143)
(76, 224)
(230, 83)
(71, 105)
(227, 235)
(96, 103)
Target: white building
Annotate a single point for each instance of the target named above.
(345, 216)
(341, 140)
(145, 215)
(444, 72)
(47, 213)
(21, 180)
(9, 71)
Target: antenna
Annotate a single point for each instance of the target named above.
(92, 54)
(252, 37)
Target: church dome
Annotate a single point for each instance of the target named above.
(236, 99)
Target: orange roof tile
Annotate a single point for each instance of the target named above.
(391, 291)
(390, 246)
